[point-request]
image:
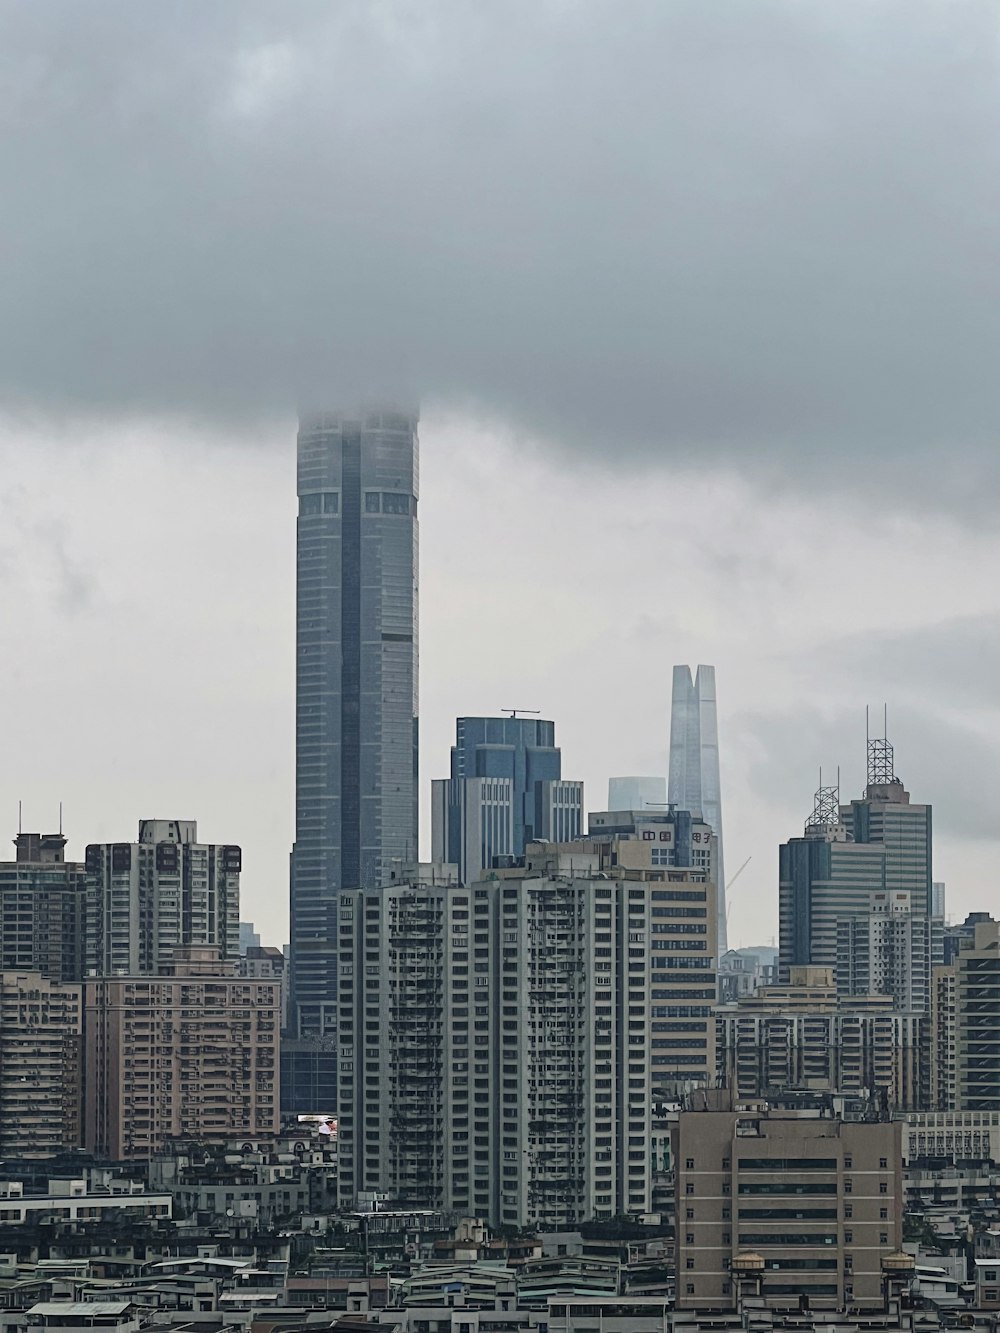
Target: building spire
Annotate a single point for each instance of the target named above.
(881, 769)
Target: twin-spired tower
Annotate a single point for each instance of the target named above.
(693, 782)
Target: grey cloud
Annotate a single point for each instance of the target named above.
(953, 663)
(762, 234)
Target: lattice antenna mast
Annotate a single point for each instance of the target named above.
(881, 765)
(826, 805)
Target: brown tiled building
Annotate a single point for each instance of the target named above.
(817, 1199)
(192, 1054)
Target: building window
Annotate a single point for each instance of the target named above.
(372, 502)
(689, 1263)
(883, 1187)
(689, 1188)
(689, 1163)
(883, 1163)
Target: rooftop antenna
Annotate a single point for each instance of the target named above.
(19, 819)
(524, 712)
(60, 819)
(881, 768)
(826, 804)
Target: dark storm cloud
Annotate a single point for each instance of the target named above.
(721, 229)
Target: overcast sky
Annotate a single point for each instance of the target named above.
(702, 302)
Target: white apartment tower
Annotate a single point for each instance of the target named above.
(503, 1042)
(166, 891)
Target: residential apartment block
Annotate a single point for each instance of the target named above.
(502, 1042)
(805, 1035)
(965, 1025)
(189, 1054)
(167, 891)
(41, 1025)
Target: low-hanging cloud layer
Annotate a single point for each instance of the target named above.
(760, 233)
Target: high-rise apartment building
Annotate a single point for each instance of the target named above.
(883, 951)
(41, 909)
(505, 789)
(637, 793)
(190, 1053)
(503, 1042)
(356, 683)
(805, 1036)
(819, 1200)
(965, 1026)
(694, 782)
(167, 891)
(41, 1025)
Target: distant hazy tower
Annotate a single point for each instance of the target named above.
(694, 762)
(356, 682)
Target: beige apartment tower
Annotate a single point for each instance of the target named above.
(41, 1022)
(965, 1026)
(192, 1054)
(818, 1199)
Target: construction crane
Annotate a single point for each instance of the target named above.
(729, 884)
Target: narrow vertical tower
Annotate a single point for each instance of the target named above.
(356, 682)
(694, 763)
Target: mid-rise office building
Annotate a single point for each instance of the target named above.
(41, 1025)
(146, 899)
(502, 1042)
(854, 861)
(190, 1053)
(965, 1026)
(694, 783)
(356, 683)
(816, 1202)
(806, 1036)
(42, 909)
(505, 790)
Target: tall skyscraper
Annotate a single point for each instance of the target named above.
(506, 788)
(694, 782)
(356, 682)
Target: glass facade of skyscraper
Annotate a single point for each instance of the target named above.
(356, 682)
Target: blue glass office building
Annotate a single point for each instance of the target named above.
(505, 789)
(356, 683)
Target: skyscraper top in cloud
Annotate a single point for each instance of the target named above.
(356, 680)
(694, 782)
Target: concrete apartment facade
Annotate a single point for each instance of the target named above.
(819, 1199)
(41, 909)
(965, 1025)
(41, 1025)
(167, 891)
(805, 1035)
(188, 1055)
(502, 1042)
